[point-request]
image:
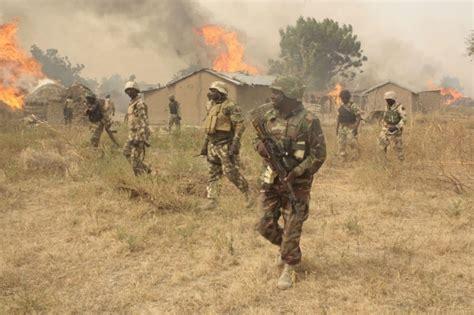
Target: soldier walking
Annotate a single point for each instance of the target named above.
(101, 117)
(298, 133)
(175, 113)
(393, 120)
(68, 111)
(138, 130)
(224, 128)
(348, 121)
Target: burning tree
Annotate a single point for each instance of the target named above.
(318, 51)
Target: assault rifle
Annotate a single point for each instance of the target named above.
(277, 158)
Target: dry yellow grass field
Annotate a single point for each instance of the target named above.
(80, 234)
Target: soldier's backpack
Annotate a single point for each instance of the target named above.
(346, 116)
(392, 117)
(94, 113)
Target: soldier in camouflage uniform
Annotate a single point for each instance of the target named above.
(138, 130)
(224, 127)
(99, 115)
(299, 133)
(175, 113)
(393, 120)
(68, 111)
(348, 120)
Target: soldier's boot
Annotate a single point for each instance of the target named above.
(279, 262)
(286, 279)
(210, 204)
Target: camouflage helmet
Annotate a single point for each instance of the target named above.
(171, 97)
(131, 85)
(291, 86)
(219, 86)
(390, 95)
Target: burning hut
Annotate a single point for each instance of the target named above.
(46, 102)
(249, 91)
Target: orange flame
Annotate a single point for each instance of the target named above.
(232, 58)
(334, 94)
(16, 68)
(450, 94)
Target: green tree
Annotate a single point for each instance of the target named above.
(470, 44)
(318, 51)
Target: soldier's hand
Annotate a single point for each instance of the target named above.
(290, 178)
(234, 147)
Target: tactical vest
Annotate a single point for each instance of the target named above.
(173, 108)
(392, 116)
(218, 118)
(346, 116)
(95, 112)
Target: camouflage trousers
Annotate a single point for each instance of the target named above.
(102, 125)
(174, 120)
(135, 154)
(274, 203)
(347, 140)
(221, 163)
(386, 139)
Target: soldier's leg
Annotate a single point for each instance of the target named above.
(230, 170)
(270, 205)
(170, 123)
(137, 158)
(127, 151)
(290, 245)
(342, 143)
(96, 134)
(383, 142)
(215, 172)
(398, 146)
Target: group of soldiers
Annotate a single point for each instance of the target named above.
(349, 117)
(290, 142)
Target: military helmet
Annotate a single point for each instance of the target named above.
(291, 86)
(171, 97)
(131, 85)
(345, 93)
(390, 95)
(219, 86)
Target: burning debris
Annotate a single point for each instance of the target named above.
(450, 94)
(231, 58)
(19, 72)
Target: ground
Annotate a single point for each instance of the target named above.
(79, 233)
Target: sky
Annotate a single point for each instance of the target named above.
(409, 42)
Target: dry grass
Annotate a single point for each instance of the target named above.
(79, 233)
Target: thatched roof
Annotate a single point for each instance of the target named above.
(78, 91)
(45, 94)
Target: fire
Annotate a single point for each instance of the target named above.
(334, 94)
(450, 94)
(17, 70)
(231, 59)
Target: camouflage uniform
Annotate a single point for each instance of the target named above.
(392, 130)
(104, 124)
(301, 135)
(138, 134)
(224, 124)
(347, 130)
(68, 111)
(175, 114)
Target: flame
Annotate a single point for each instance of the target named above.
(17, 69)
(231, 59)
(334, 94)
(450, 94)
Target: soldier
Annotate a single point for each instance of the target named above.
(393, 120)
(299, 134)
(138, 130)
(175, 113)
(348, 120)
(109, 106)
(68, 111)
(101, 117)
(224, 127)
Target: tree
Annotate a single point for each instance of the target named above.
(60, 68)
(470, 44)
(318, 51)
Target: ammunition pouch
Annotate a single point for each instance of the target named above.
(392, 117)
(218, 119)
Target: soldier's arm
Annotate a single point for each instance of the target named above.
(317, 149)
(142, 122)
(237, 121)
(403, 115)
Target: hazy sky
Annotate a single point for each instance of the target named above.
(406, 41)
